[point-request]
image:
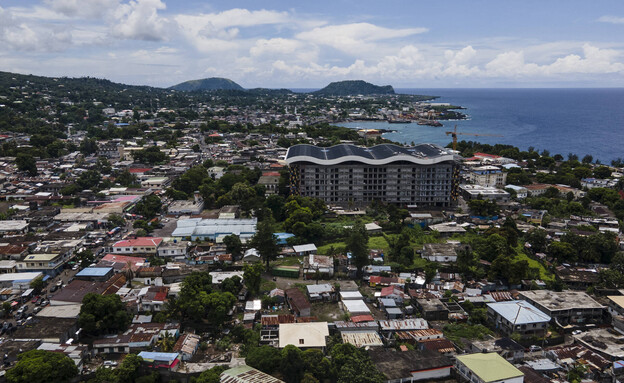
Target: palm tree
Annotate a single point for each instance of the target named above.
(167, 342)
(129, 273)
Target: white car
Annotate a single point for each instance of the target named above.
(577, 332)
(534, 348)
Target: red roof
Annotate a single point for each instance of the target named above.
(118, 258)
(362, 318)
(275, 165)
(141, 241)
(272, 174)
(486, 155)
(139, 170)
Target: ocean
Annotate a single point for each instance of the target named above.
(579, 121)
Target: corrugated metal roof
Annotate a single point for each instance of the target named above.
(519, 312)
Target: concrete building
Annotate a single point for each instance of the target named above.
(485, 192)
(518, 317)
(411, 366)
(440, 252)
(303, 335)
(215, 229)
(49, 264)
(246, 374)
(566, 307)
(351, 175)
(173, 249)
(487, 368)
(487, 175)
(141, 245)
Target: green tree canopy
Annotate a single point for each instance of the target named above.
(265, 242)
(103, 314)
(39, 366)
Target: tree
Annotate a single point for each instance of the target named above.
(6, 308)
(265, 242)
(128, 370)
(26, 163)
(116, 220)
(39, 366)
(264, 358)
(37, 284)
(218, 305)
(231, 285)
(292, 364)
(85, 257)
(253, 277)
(562, 251)
(125, 178)
(89, 179)
(212, 375)
(316, 364)
(149, 206)
(537, 239)
(602, 172)
(102, 314)
(151, 155)
(233, 245)
(167, 342)
(357, 244)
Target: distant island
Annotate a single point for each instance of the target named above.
(354, 87)
(212, 83)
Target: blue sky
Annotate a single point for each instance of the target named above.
(301, 44)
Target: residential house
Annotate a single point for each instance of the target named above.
(411, 366)
(140, 245)
(298, 302)
(487, 368)
(518, 317)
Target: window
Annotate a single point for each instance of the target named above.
(300, 341)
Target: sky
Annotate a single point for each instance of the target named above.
(307, 44)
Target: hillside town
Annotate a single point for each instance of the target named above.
(220, 237)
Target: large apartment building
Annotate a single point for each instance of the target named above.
(349, 175)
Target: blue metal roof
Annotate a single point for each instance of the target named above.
(94, 272)
(159, 356)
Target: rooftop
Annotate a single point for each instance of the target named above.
(562, 300)
(94, 272)
(303, 335)
(519, 312)
(376, 155)
(490, 367)
(397, 365)
(246, 374)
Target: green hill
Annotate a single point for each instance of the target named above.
(354, 87)
(213, 83)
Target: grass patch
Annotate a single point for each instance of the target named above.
(545, 275)
(456, 332)
(377, 242)
(267, 285)
(287, 261)
(327, 311)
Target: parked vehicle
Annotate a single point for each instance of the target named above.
(534, 348)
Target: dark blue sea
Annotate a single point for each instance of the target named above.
(579, 121)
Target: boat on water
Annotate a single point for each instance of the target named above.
(429, 123)
(399, 121)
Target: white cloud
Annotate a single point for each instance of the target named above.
(139, 20)
(355, 37)
(83, 8)
(275, 46)
(611, 19)
(18, 35)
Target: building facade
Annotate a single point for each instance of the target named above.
(345, 175)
